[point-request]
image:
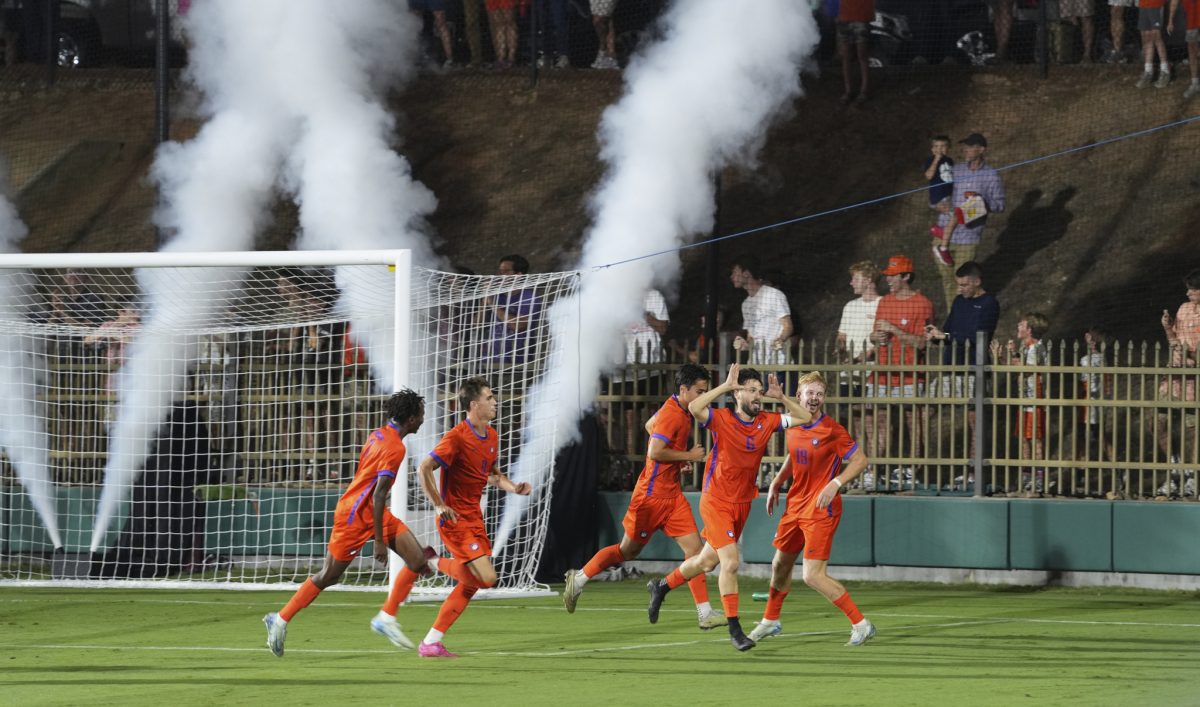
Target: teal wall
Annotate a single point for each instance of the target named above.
(1068, 535)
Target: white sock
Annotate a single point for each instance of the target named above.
(434, 636)
(581, 578)
(384, 616)
(862, 623)
(1149, 67)
(1196, 82)
(703, 608)
(1165, 68)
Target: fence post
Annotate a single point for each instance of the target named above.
(981, 350)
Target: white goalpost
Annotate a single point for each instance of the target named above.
(190, 419)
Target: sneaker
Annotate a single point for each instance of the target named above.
(571, 592)
(1189, 483)
(902, 476)
(599, 62)
(764, 629)
(942, 255)
(389, 628)
(276, 633)
(710, 620)
(1168, 489)
(1191, 91)
(658, 591)
(737, 637)
(434, 650)
(1144, 81)
(1164, 78)
(609, 63)
(861, 632)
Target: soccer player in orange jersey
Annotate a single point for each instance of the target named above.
(740, 437)
(361, 515)
(467, 457)
(658, 502)
(822, 457)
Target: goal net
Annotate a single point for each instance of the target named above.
(194, 418)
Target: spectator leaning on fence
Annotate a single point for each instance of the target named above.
(978, 192)
(1096, 421)
(766, 316)
(1183, 338)
(1029, 350)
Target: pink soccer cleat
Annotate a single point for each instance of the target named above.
(434, 650)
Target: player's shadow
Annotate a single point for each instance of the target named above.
(1030, 228)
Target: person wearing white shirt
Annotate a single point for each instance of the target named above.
(766, 316)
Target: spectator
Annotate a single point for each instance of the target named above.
(974, 310)
(441, 27)
(1116, 30)
(939, 170)
(76, 303)
(114, 336)
(1150, 24)
(606, 34)
(1191, 10)
(503, 21)
(766, 316)
(1080, 12)
(854, 27)
(643, 345)
(1096, 421)
(1183, 338)
(854, 345)
(512, 314)
(473, 31)
(899, 337)
(1002, 22)
(554, 20)
(1029, 350)
(978, 191)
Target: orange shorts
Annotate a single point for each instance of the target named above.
(1033, 424)
(466, 540)
(348, 538)
(648, 514)
(723, 520)
(812, 535)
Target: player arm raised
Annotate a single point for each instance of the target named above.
(383, 486)
(858, 462)
(785, 473)
(502, 482)
(699, 406)
(430, 487)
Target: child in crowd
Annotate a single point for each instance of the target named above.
(939, 170)
(1029, 350)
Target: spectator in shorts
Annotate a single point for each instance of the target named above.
(1150, 24)
(606, 34)
(1183, 338)
(1080, 12)
(1029, 350)
(1002, 22)
(1116, 30)
(939, 170)
(440, 26)
(854, 345)
(1095, 421)
(766, 316)
(854, 28)
(975, 182)
(502, 19)
(1191, 9)
(473, 30)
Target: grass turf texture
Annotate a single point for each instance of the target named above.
(936, 645)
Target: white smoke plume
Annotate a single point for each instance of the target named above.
(22, 416)
(294, 95)
(695, 102)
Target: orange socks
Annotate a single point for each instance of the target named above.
(775, 604)
(848, 607)
(607, 557)
(676, 579)
(400, 589)
(453, 607)
(730, 603)
(302, 598)
(699, 587)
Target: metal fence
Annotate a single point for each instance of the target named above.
(1119, 421)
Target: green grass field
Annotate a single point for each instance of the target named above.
(936, 645)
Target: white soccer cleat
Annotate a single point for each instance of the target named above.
(389, 628)
(571, 591)
(710, 620)
(861, 632)
(766, 628)
(276, 633)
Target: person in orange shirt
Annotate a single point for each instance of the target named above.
(822, 457)
(658, 502)
(467, 457)
(740, 437)
(361, 515)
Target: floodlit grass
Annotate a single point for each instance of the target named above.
(936, 646)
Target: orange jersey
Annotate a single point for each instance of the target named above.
(731, 472)
(467, 460)
(381, 456)
(818, 452)
(672, 425)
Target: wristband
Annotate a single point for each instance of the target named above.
(835, 480)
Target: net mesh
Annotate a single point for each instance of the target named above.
(199, 424)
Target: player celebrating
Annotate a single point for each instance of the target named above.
(467, 456)
(817, 452)
(658, 502)
(361, 515)
(740, 436)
